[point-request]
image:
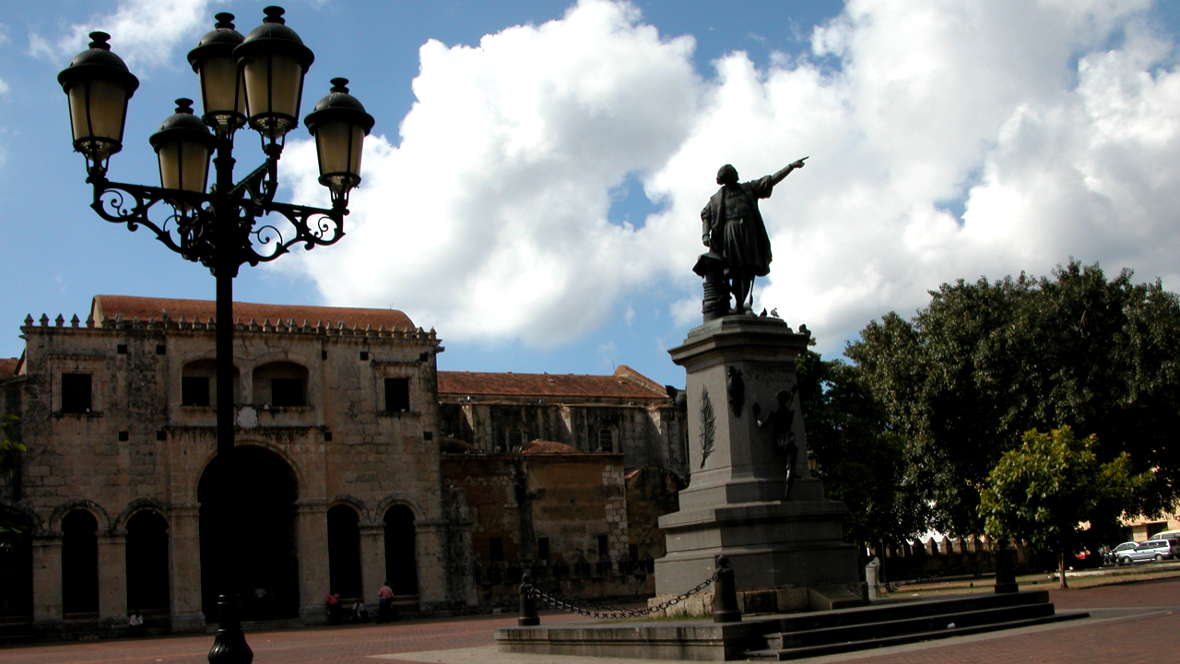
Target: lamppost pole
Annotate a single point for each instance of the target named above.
(255, 80)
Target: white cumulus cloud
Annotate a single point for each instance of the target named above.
(947, 140)
(143, 32)
(489, 219)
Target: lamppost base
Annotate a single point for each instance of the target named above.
(229, 643)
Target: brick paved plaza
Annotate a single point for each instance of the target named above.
(1130, 623)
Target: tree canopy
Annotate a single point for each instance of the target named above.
(986, 361)
(860, 461)
(1051, 489)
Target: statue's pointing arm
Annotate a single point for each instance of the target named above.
(786, 170)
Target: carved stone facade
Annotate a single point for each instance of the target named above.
(129, 507)
(586, 528)
(121, 504)
(625, 412)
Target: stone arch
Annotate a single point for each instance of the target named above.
(79, 561)
(105, 523)
(247, 531)
(363, 512)
(344, 550)
(247, 440)
(401, 558)
(391, 500)
(18, 524)
(147, 562)
(136, 506)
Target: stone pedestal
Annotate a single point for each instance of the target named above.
(744, 422)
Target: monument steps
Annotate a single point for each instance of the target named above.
(887, 625)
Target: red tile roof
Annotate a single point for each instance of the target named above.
(153, 308)
(8, 366)
(626, 383)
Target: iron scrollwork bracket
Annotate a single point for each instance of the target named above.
(188, 223)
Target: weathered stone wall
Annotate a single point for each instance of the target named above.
(645, 434)
(138, 446)
(651, 493)
(570, 500)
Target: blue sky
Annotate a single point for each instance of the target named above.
(533, 182)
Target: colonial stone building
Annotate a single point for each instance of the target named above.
(584, 525)
(626, 413)
(128, 506)
(120, 502)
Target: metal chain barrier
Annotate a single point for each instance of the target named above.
(607, 612)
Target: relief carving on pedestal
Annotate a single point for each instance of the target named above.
(708, 424)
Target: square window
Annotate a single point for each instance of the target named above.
(603, 546)
(75, 393)
(542, 548)
(194, 391)
(286, 392)
(121, 349)
(397, 395)
(495, 549)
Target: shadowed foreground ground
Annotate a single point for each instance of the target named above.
(1130, 623)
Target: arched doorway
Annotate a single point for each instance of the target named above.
(147, 562)
(79, 564)
(344, 551)
(401, 565)
(247, 525)
(16, 566)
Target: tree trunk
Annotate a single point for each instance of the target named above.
(1061, 569)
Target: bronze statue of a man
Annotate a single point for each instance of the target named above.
(732, 228)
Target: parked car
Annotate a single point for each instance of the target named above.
(1112, 556)
(1160, 549)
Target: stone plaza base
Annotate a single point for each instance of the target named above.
(798, 635)
(793, 549)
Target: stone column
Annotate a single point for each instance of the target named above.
(184, 556)
(47, 600)
(372, 563)
(112, 579)
(311, 543)
(430, 555)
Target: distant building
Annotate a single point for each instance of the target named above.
(583, 525)
(120, 502)
(626, 413)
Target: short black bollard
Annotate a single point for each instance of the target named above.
(725, 605)
(528, 602)
(1005, 568)
(229, 643)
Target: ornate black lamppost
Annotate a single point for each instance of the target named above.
(256, 80)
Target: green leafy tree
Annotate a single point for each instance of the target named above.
(860, 461)
(988, 360)
(1050, 489)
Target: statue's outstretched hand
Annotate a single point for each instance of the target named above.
(798, 164)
